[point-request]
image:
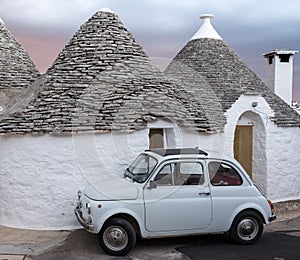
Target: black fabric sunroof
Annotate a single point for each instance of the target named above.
(166, 152)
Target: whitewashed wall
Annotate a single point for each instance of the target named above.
(40, 175)
(189, 138)
(276, 169)
(283, 157)
(38, 182)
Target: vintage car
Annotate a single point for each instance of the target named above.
(174, 192)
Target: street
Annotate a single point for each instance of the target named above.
(280, 241)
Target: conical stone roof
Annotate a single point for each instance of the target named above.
(228, 76)
(17, 71)
(102, 81)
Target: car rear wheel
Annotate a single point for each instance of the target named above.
(246, 228)
(117, 237)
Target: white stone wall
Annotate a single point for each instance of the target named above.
(39, 180)
(243, 105)
(40, 175)
(283, 157)
(190, 138)
(243, 113)
(276, 169)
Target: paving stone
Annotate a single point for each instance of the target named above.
(12, 257)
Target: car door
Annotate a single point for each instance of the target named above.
(178, 197)
(229, 190)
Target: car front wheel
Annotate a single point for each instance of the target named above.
(246, 228)
(117, 237)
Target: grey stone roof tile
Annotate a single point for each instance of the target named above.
(17, 69)
(102, 81)
(228, 77)
(17, 72)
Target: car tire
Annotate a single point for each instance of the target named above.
(246, 228)
(117, 237)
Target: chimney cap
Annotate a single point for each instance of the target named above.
(203, 16)
(206, 30)
(280, 51)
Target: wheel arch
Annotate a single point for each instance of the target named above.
(132, 220)
(252, 208)
(247, 227)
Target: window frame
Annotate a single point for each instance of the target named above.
(223, 184)
(138, 177)
(174, 162)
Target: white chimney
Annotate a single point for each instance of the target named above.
(280, 73)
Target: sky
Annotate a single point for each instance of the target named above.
(162, 27)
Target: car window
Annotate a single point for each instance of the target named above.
(165, 175)
(141, 168)
(223, 174)
(180, 173)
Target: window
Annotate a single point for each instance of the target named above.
(165, 176)
(141, 168)
(222, 174)
(180, 173)
(156, 138)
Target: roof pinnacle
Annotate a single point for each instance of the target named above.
(107, 10)
(207, 30)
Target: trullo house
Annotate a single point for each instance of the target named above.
(103, 101)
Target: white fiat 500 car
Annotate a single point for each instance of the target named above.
(174, 192)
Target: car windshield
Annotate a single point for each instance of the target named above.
(141, 168)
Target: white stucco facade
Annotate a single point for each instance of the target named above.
(40, 175)
(275, 149)
(283, 150)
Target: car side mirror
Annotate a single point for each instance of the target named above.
(152, 185)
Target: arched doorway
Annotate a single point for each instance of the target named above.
(250, 146)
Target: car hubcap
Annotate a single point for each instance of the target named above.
(115, 238)
(248, 229)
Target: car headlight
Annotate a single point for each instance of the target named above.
(88, 207)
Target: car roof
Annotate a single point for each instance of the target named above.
(161, 153)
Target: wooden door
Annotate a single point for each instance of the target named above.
(156, 138)
(243, 146)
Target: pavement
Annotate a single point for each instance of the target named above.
(20, 244)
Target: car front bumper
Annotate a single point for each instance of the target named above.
(272, 218)
(89, 227)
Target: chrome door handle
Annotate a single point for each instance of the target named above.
(204, 193)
